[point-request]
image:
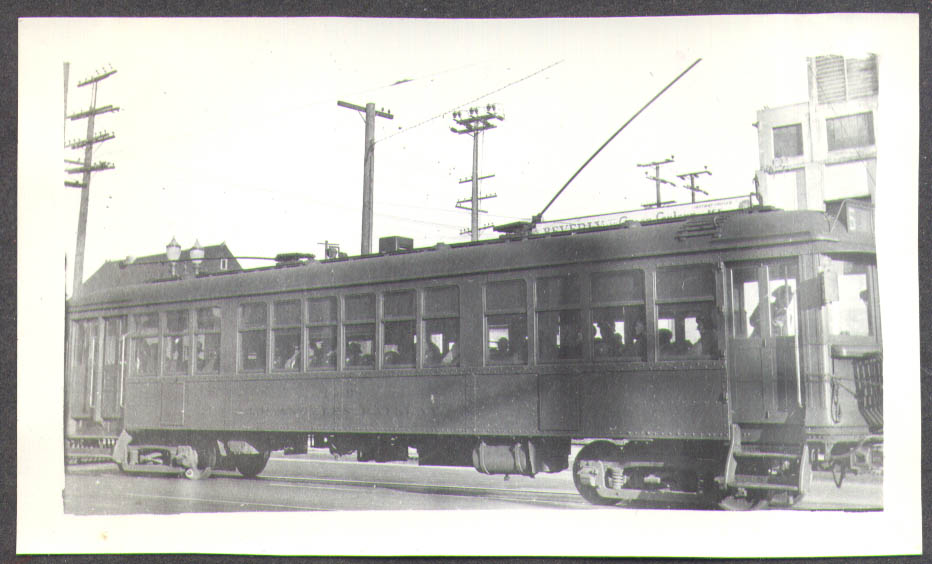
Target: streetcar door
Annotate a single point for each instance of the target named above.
(82, 382)
(114, 362)
(763, 351)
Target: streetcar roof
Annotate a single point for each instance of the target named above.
(716, 232)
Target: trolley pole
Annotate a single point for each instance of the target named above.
(86, 167)
(368, 169)
(657, 181)
(473, 125)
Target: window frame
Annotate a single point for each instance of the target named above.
(279, 327)
(869, 133)
(523, 310)
(242, 327)
(427, 316)
(556, 306)
(387, 318)
(798, 127)
(597, 303)
(334, 324)
(712, 301)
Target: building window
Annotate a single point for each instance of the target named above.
(322, 333)
(253, 337)
(146, 344)
(359, 330)
(788, 141)
(224, 264)
(559, 326)
(688, 324)
(207, 340)
(846, 132)
(506, 322)
(177, 342)
(618, 315)
(399, 343)
(441, 326)
(286, 336)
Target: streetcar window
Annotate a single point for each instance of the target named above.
(177, 354)
(287, 313)
(442, 328)
(686, 282)
(504, 296)
(610, 287)
(782, 291)
(559, 331)
(360, 345)
(850, 315)
(745, 297)
(286, 341)
(286, 349)
(618, 329)
(507, 341)
(146, 350)
(399, 347)
(618, 332)
(253, 314)
(146, 322)
(146, 356)
(252, 350)
(506, 335)
(688, 323)
(207, 340)
(177, 342)
(360, 337)
(360, 308)
(687, 331)
(253, 343)
(322, 333)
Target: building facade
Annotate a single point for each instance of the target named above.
(817, 154)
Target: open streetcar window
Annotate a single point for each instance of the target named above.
(559, 326)
(286, 337)
(359, 330)
(618, 315)
(506, 322)
(207, 340)
(253, 337)
(442, 326)
(399, 347)
(177, 342)
(688, 323)
(322, 333)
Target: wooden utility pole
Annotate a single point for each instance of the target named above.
(657, 181)
(692, 182)
(474, 124)
(86, 167)
(368, 169)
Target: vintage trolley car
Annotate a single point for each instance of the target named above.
(719, 357)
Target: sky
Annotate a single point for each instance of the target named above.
(229, 130)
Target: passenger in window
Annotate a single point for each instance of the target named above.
(354, 354)
(501, 350)
(452, 355)
(434, 356)
(779, 320)
(665, 340)
(709, 343)
(637, 344)
(292, 361)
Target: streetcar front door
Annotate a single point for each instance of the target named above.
(763, 348)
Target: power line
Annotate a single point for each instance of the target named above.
(487, 94)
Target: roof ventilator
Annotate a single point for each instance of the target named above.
(701, 227)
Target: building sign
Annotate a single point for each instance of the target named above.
(648, 214)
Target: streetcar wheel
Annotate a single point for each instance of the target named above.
(250, 465)
(599, 450)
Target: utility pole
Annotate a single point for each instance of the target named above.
(657, 181)
(86, 167)
(368, 169)
(473, 125)
(692, 182)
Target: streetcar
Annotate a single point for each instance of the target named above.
(719, 357)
